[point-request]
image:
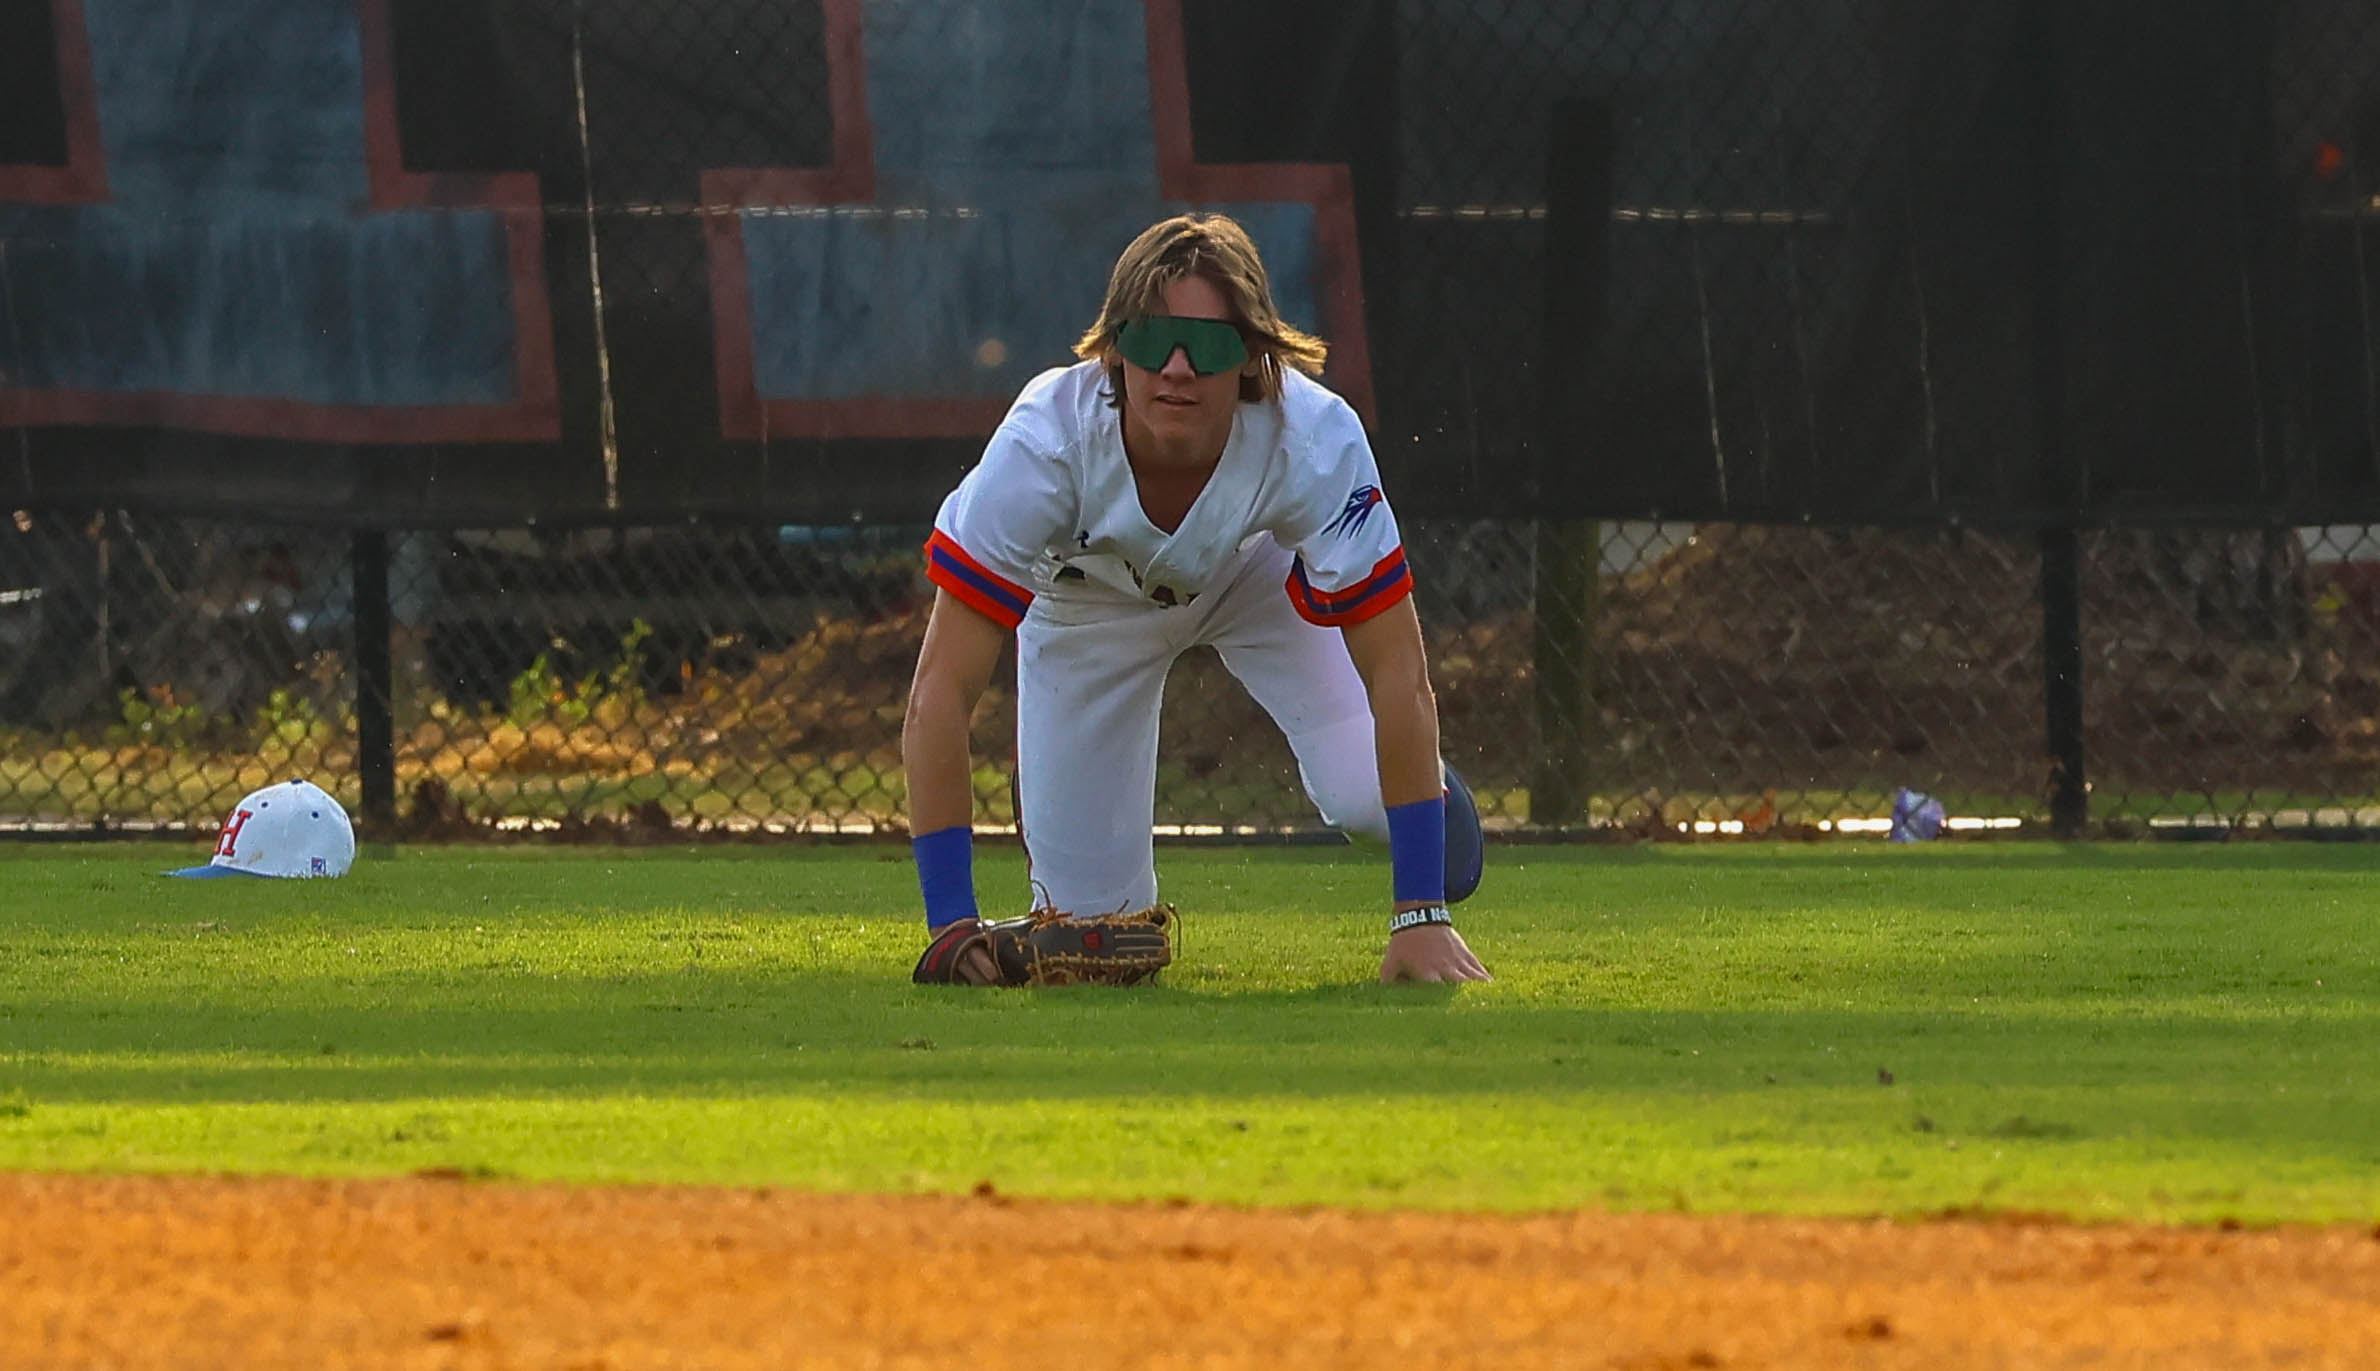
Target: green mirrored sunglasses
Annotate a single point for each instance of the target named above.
(1213, 345)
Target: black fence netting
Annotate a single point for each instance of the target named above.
(656, 680)
(1785, 406)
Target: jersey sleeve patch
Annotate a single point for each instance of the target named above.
(1352, 516)
(977, 586)
(1389, 581)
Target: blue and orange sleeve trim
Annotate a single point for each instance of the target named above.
(975, 585)
(1389, 581)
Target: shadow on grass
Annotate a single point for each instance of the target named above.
(827, 1035)
(2037, 1006)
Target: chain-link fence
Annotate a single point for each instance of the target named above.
(647, 682)
(1785, 406)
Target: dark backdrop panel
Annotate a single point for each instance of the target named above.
(2165, 207)
(1852, 260)
(32, 112)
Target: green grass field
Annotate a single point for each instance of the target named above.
(2184, 1032)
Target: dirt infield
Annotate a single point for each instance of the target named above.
(431, 1273)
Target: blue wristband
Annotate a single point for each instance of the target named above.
(1417, 849)
(946, 873)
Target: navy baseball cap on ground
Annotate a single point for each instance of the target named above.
(291, 829)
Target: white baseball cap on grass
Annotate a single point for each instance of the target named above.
(291, 829)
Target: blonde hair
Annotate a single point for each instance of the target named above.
(1215, 247)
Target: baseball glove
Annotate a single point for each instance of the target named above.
(1049, 947)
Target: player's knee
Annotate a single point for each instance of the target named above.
(1353, 810)
(1079, 888)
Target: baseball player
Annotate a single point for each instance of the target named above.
(1185, 483)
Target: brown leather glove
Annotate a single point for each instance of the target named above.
(1049, 947)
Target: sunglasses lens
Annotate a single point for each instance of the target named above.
(1142, 346)
(1212, 345)
(1215, 346)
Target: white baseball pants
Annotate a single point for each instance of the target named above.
(1091, 671)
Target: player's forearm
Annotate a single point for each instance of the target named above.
(1388, 654)
(935, 759)
(1405, 735)
(941, 804)
(953, 666)
(1405, 731)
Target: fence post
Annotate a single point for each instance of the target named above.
(1569, 550)
(1568, 555)
(375, 691)
(2063, 484)
(2062, 666)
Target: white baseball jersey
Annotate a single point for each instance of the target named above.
(1052, 509)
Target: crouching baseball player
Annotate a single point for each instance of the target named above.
(1185, 483)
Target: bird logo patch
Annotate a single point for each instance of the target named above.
(1359, 507)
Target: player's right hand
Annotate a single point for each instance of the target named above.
(975, 964)
(1430, 952)
(977, 968)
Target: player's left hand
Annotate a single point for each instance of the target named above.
(1430, 952)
